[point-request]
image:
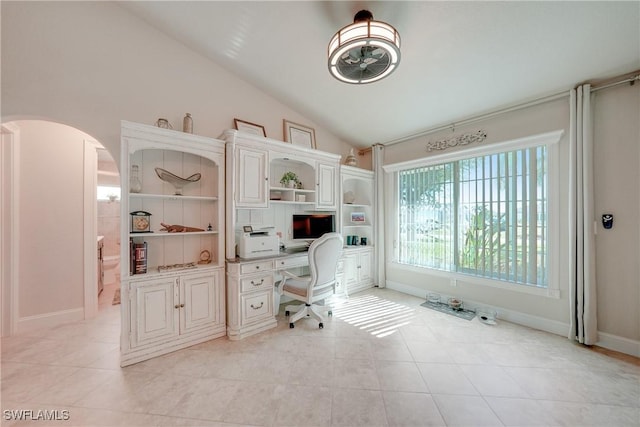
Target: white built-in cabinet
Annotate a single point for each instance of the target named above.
(357, 217)
(179, 300)
(251, 177)
(168, 308)
(357, 273)
(255, 166)
(327, 183)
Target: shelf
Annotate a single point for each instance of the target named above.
(291, 202)
(356, 247)
(356, 225)
(291, 195)
(297, 190)
(166, 234)
(153, 271)
(172, 197)
(356, 205)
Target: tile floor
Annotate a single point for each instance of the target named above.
(382, 360)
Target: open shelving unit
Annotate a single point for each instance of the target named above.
(172, 288)
(357, 203)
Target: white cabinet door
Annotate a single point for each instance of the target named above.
(156, 308)
(327, 184)
(200, 299)
(252, 182)
(350, 271)
(365, 272)
(358, 270)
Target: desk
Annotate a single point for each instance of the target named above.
(250, 299)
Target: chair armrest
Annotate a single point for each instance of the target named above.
(285, 275)
(288, 275)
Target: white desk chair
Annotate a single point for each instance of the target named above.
(320, 284)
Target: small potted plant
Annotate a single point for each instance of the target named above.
(289, 180)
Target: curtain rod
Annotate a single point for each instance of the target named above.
(629, 77)
(605, 85)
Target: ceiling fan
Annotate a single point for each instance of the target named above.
(365, 51)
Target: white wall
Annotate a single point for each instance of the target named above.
(617, 177)
(617, 191)
(51, 248)
(91, 64)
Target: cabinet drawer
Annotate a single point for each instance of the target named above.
(254, 267)
(255, 283)
(285, 263)
(257, 306)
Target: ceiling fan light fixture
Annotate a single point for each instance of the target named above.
(365, 51)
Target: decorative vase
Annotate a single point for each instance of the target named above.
(135, 186)
(351, 159)
(291, 184)
(187, 123)
(349, 197)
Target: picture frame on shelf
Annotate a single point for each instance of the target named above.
(357, 217)
(298, 134)
(248, 127)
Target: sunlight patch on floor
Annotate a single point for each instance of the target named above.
(377, 316)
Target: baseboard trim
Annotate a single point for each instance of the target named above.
(47, 320)
(535, 322)
(619, 344)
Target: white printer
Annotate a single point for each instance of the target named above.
(258, 243)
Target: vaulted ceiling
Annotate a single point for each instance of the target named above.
(459, 59)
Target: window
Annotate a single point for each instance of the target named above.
(485, 216)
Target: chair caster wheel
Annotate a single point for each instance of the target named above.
(321, 326)
(286, 313)
(330, 313)
(290, 325)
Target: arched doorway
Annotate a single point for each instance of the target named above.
(50, 273)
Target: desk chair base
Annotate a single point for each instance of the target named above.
(307, 310)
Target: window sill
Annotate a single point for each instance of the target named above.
(455, 277)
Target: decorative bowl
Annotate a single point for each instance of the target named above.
(433, 298)
(486, 315)
(455, 303)
(177, 182)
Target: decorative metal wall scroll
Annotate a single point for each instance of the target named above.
(453, 141)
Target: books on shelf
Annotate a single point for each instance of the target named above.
(138, 254)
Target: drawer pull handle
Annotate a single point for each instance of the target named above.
(257, 284)
(176, 306)
(258, 308)
(257, 267)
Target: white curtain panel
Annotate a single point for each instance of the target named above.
(379, 248)
(582, 300)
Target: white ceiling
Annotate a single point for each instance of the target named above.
(459, 59)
